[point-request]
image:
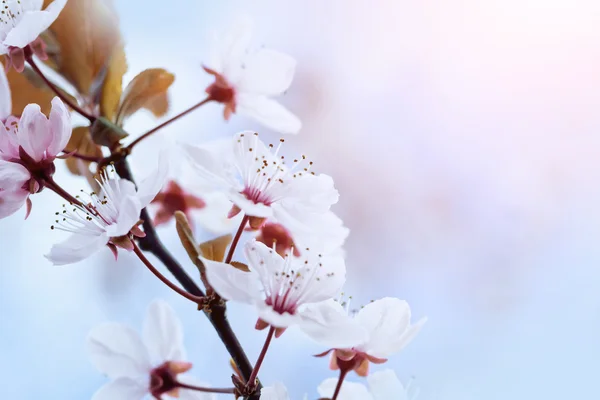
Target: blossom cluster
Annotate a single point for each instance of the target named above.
(293, 267)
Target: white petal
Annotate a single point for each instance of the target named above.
(276, 392)
(117, 351)
(268, 112)
(231, 283)
(276, 319)
(349, 390)
(32, 24)
(153, 183)
(213, 217)
(12, 201)
(163, 333)
(332, 276)
(5, 97)
(230, 49)
(121, 389)
(385, 385)
(60, 124)
(262, 260)
(34, 133)
(267, 72)
(214, 165)
(388, 321)
(328, 324)
(249, 207)
(76, 248)
(129, 215)
(311, 193)
(32, 5)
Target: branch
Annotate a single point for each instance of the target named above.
(217, 315)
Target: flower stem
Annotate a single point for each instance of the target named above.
(152, 268)
(55, 187)
(80, 156)
(206, 389)
(175, 118)
(236, 239)
(58, 92)
(338, 387)
(261, 357)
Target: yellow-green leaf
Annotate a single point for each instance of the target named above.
(112, 88)
(81, 141)
(148, 90)
(86, 33)
(215, 249)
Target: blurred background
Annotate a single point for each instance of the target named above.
(463, 137)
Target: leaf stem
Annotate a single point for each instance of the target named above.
(58, 92)
(175, 118)
(175, 288)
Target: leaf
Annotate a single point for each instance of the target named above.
(105, 133)
(147, 90)
(186, 236)
(240, 265)
(81, 141)
(215, 249)
(87, 34)
(24, 91)
(112, 88)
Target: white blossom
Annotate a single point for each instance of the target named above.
(383, 385)
(140, 367)
(246, 81)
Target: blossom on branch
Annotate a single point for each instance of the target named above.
(28, 148)
(260, 183)
(108, 218)
(383, 385)
(280, 288)
(244, 82)
(21, 23)
(387, 326)
(138, 367)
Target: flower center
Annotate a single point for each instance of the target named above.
(163, 379)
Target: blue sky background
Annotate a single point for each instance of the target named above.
(463, 137)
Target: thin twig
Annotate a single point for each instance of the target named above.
(206, 389)
(261, 357)
(236, 239)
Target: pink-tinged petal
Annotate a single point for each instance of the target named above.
(328, 324)
(9, 145)
(60, 125)
(34, 133)
(268, 112)
(388, 321)
(11, 202)
(32, 24)
(117, 351)
(129, 215)
(349, 390)
(121, 389)
(276, 392)
(28, 206)
(385, 385)
(267, 72)
(12, 176)
(231, 283)
(5, 97)
(163, 333)
(76, 248)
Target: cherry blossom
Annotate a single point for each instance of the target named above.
(175, 198)
(383, 385)
(21, 23)
(28, 148)
(151, 365)
(387, 326)
(245, 82)
(279, 288)
(108, 218)
(260, 183)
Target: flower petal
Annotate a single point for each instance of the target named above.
(60, 125)
(249, 207)
(231, 283)
(328, 324)
(121, 389)
(129, 215)
(262, 260)
(76, 248)
(32, 24)
(12, 176)
(5, 97)
(34, 132)
(385, 385)
(388, 322)
(117, 351)
(268, 112)
(277, 319)
(12, 201)
(267, 72)
(153, 183)
(229, 49)
(214, 165)
(349, 390)
(276, 392)
(163, 333)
